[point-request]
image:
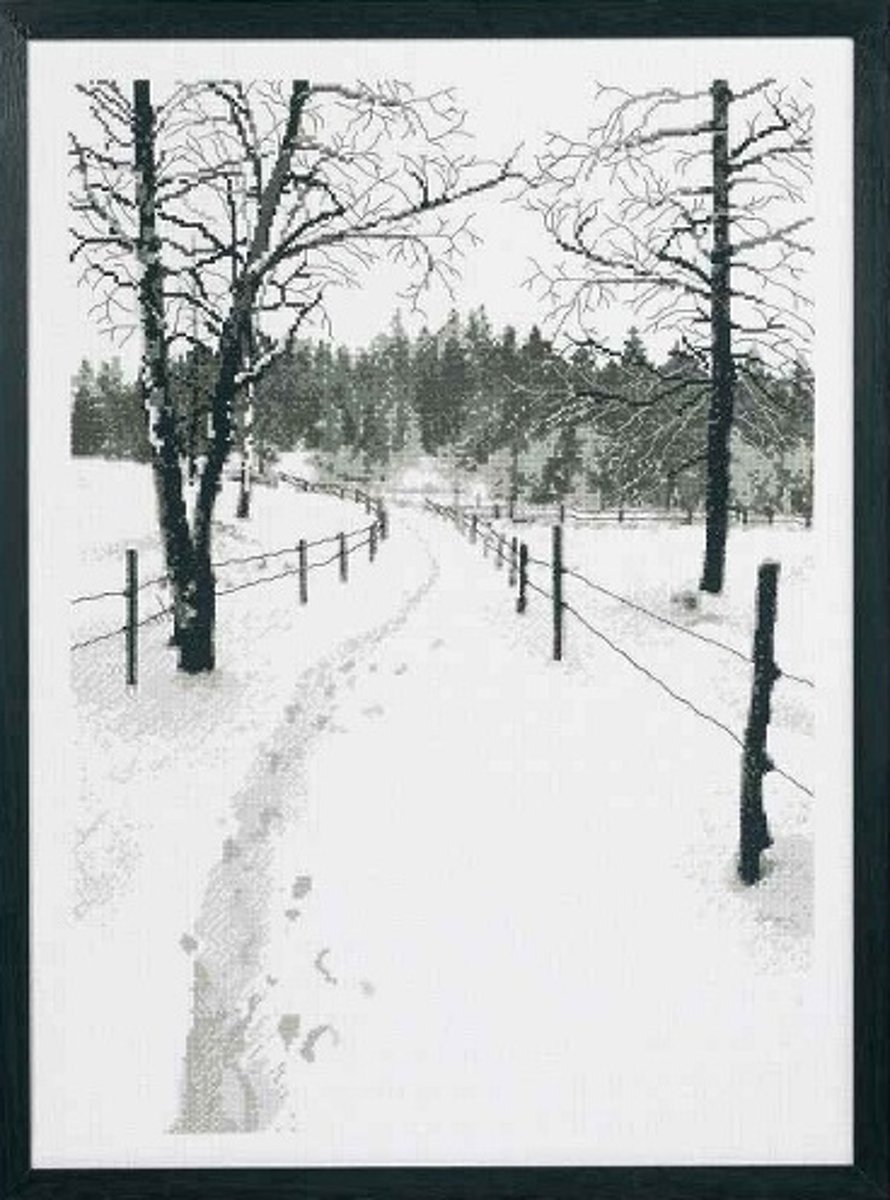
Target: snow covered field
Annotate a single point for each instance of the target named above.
(392, 886)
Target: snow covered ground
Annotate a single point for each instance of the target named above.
(392, 886)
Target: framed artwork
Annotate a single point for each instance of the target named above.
(444, 622)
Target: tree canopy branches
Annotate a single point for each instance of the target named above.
(630, 205)
(278, 195)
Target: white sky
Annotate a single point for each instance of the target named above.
(514, 92)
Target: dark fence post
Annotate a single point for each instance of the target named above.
(511, 578)
(372, 543)
(562, 513)
(754, 835)
(497, 512)
(474, 524)
(557, 592)
(522, 598)
(620, 514)
(513, 506)
(344, 559)
(304, 572)
(499, 557)
(382, 520)
(131, 592)
(367, 504)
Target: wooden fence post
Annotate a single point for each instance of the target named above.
(131, 592)
(513, 506)
(372, 543)
(562, 513)
(557, 592)
(474, 527)
(499, 556)
(367, 503)
(522, 598)
(344, 559)
(754, 835)
(304, 572)
(497, 512)
(382, 520)
(511, 577)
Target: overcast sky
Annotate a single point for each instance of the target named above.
(514, 92)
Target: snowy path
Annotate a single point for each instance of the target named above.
(416, 892)
(480, 889)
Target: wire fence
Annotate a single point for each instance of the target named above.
(493, 538)
(522, 512)
(756, 762)
(347, 542)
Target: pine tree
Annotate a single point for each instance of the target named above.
(87, 425)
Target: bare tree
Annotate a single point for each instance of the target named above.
(221, 217)
(691, 209)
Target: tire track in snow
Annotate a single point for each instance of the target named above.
(233, 1075)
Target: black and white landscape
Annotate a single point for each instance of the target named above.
(442, 577)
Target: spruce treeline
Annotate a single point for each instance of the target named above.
(503, 412)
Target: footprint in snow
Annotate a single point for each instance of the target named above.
(438, 643)
(401, 669)
(308, 1048)
(348, 665)
(301, 887)
(188, 943)
(289, 1028)
(373, 710)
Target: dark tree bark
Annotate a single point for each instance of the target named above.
(155, 378)
(722, 370)
(188, 551)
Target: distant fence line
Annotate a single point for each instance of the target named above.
(754, 834)
(370, 534)
(520, 512)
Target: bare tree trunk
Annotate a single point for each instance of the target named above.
(197, 644)
(154, 374)
(188, 551)
(244, 492)
(720, 412)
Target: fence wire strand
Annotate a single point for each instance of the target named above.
(102, 637)
(96, 596)
(648, 612)
(650, 675)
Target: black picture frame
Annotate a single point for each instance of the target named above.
(863, 21)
